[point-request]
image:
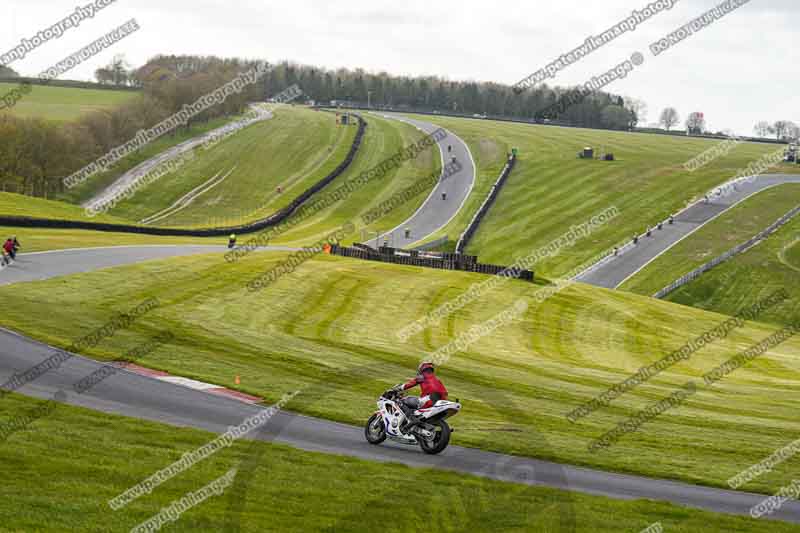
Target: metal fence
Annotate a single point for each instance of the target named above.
(487, 203)
(696, 273)
(425, 259)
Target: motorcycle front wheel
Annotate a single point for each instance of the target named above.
(375, 431)
(439, 440)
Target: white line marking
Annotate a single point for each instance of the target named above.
(433, 192)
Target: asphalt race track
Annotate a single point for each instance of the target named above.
(435, 212)
(611, 274)
(143, 397)
(43, 265)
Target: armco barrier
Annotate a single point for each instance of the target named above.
(487, 203)
(438, 260)
(696, 273)
(272, 220)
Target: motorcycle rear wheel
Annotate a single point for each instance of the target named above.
(440, 440)
(375, 430)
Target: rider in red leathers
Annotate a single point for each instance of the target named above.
(433, 390)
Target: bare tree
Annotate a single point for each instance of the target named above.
(638, 109)
(784, 129)
(696, 123)
(669, 117)
(104, 75)
(763, 129)
(793, 132)
(779, 128)
(115, 73)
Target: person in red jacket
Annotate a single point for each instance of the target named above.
(433, 390)
(8, 248)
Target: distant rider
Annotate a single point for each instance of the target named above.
(232, 241)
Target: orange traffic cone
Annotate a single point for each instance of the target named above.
(237, 380)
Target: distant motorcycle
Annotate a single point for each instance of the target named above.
(430, 431)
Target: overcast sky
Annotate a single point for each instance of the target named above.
(738, 71)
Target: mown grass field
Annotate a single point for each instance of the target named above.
(20, 205)
(384, 139)
(730, 229)
(293, 150)
(63, 468)
(551, 189)
(731, 286)
(92, 186)
(62, 104)
(335, 318)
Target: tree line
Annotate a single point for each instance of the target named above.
(434, 93)
(35, 154)
(783, 130)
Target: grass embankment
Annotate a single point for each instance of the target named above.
(61, 471)
(62, 104)
(334, 315)
(737, 283)
(383, 139)
(730, 229)
(293, 150)
(97, 183)
(551, 189)
(20, 205)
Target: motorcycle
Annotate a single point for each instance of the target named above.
(431, 432)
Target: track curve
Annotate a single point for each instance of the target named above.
(135, 395)
(436, 212)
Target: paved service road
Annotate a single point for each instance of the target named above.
(612, 273)
(435, 212)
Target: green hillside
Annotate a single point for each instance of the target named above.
(92, 457)
(20, 205)
(730, 229)
(334, 317)
(92, 186)
(293, 150)
(62, 104)
(772, 264)
(551, 189)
